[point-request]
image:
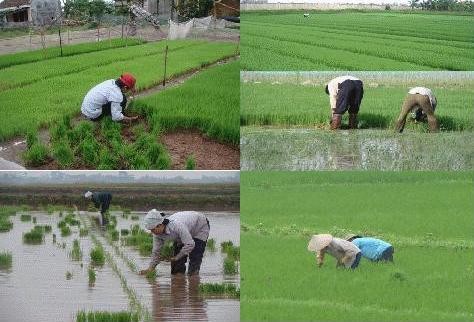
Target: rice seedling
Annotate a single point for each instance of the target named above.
(83, 232)
(43, 228)
(225, 245)
(114, 235)
(36, 155)
(6, 260)
(126, 211)
(134, 217)
(71, 220)
(211, 245)
(31, 138)
(190, 162)
(25, 217)
(35, 236)
(151, 276)
(54, 238)
(97, 256)
(124, 232)
(65, 231)
(92, 276)
(219, 289)
(33, 220)
(63, 154)
(167, 250)
(103, 316)
(76, 252)
(5, 225)
(230, 266)
(68, 275)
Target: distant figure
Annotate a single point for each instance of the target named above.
(189, 231)
(345, 94)
(101, 200)
(306, 15)
(372, 248)
(345, 252)
(422, 101)
(108, 98)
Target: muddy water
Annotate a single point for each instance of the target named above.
(307, 149)
(176, 298)
(36, 289)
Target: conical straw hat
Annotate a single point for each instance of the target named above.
(318, 242)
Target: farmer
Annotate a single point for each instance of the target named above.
(188, 230)
(345, 94)
(422, 101)
(346, 253)
(101, 200)
(372, 248)
(108, 98)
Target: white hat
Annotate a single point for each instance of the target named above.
(318, 242)
(152, 219)
(88, 194)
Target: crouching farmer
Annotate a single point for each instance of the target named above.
(422, 102)
(345, 252)
(372, 248)
(101, 200)
(108, 98)
(345, 94)
(189, 231)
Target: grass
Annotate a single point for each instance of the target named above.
(47, 94)
(219, 289)
(76, 252)
(35, 236)
(92, 276)
(103, 316)
(208, 101)
(97, 256)
(5, 260)
(299, 100)
(283, 209)
(354, 40)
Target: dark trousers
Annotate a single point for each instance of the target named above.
(195, 258)
(387, 254)
(349, 97)
(420, 102)
(107, 109)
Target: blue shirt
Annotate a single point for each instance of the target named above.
(371, 248)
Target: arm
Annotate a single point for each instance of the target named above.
(187, 240)
(155, 255)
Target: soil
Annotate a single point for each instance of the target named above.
(208, 153)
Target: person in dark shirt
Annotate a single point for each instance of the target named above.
(101, 200)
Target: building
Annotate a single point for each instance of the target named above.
(28, 12)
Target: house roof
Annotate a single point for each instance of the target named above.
(14, 3)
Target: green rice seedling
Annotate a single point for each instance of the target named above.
(92, 276)
(43, 228)
(107, 161)
(35, 236)
(71, 220)
(190, 162)
(225, 245)
(233, 252)
(31, 138)
(63, 245)
(62, 224)
(76, 252)
(97, 256)
(68, 275)
(65, 231)
(58, 132)
(211, 245)
(62, 153)
(114, 235)
(145, 248)
(83, 232)
(167, 250)
(36, 155)
(47, 228)
(34, 220)
(219, 289)
(25, 217)
(5, 260)
(54, 238)
(127, 211)
(134, 217)
(230, 267)
(88, 149)
(100, 316)
(5, 225)
(151, 276)
(124, 232)
(135, 229)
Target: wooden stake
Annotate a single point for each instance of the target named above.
(60, 40)
(166, 58)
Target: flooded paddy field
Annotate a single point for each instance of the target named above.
(47, 282)
(312, 149)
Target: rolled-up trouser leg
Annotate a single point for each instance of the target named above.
(408, 104)
(179, 266)
(425, 104)
(343, 97)
(196, 255)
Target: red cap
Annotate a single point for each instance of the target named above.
(128, 80)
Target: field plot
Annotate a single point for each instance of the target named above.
(51, 97)
(74, 269)
(427, 217)
(356, 40)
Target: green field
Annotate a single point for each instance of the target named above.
(39, 93)
(290, 101)
(356, 40)
(426, 216)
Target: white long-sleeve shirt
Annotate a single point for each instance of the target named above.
(100, 95)
(424, 91)
(333, 88)
(344, 251)
(182, 228)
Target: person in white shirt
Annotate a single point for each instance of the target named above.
(345, 94)
(108, 98)
(423, 102)
(346, 253)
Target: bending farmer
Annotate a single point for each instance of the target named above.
(422, 101)
(101, 200)
(345, 93)
(108, 98)
(188, 230)
(372, 248)
(346, 253)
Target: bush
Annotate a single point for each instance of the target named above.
(36, 155)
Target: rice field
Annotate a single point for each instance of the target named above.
(426, 216)
(356, 40)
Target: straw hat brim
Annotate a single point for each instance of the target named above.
(318, 242)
